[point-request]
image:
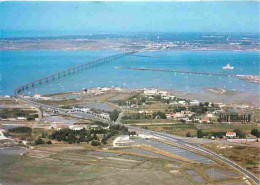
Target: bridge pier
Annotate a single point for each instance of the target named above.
(86, 65)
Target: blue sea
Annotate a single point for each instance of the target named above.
(20, 67)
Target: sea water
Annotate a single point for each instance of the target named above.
(20, 67)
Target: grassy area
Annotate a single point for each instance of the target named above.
(183, 129)
(72, 164)
(15, 112)
(248, 157)
(176, 129)
(220, 127)
(134, 121)
(79, 167)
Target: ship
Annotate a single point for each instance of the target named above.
(228, 67)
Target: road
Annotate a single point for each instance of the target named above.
(161, 135)
(174, 139)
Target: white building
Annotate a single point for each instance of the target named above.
(231, 134)
(194, 102)
(21, 118)
(76, 127)
(182, 102)
(150, 91)
(105, 115)
(163, 93)
(179, 115)
(85, 110)
(37, 96)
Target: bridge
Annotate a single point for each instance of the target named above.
(95, 117)
(63, 73)
(69, 71)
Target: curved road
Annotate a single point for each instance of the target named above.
(161, 135)
(174, 139)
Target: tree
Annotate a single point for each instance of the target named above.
(255, 132)
(188, 135)
(199, 133)
(39, 141)
(30, 118)
(95, 143)
(182, 121)
(114, 115)
(239, 133)
(167, 101)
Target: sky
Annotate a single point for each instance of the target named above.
(129, 16)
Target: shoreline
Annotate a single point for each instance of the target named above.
(226, 96)
(127, 49)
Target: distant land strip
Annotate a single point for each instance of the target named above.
(248, 78)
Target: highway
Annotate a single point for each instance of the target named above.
(161, 135)
(174, 139)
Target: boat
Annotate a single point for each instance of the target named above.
(228, 67)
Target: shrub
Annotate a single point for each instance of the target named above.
(240, 133)
(114, 115)
(39, 141)
(95, 143)
(30, 118)
(199, 133)
(255, 132)
(26, 130)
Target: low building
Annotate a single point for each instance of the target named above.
(204, 120)
(105, 115)
(37, 96)
(21, 118)
(231, 134)
(195, 103)
(169, 116)
(182, 102)
(86, 110)
(76, 127)
(178, 115)
(150, 91)
(163, 93)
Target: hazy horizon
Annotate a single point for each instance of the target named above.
(112, 17)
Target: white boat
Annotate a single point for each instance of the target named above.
(228, 67)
